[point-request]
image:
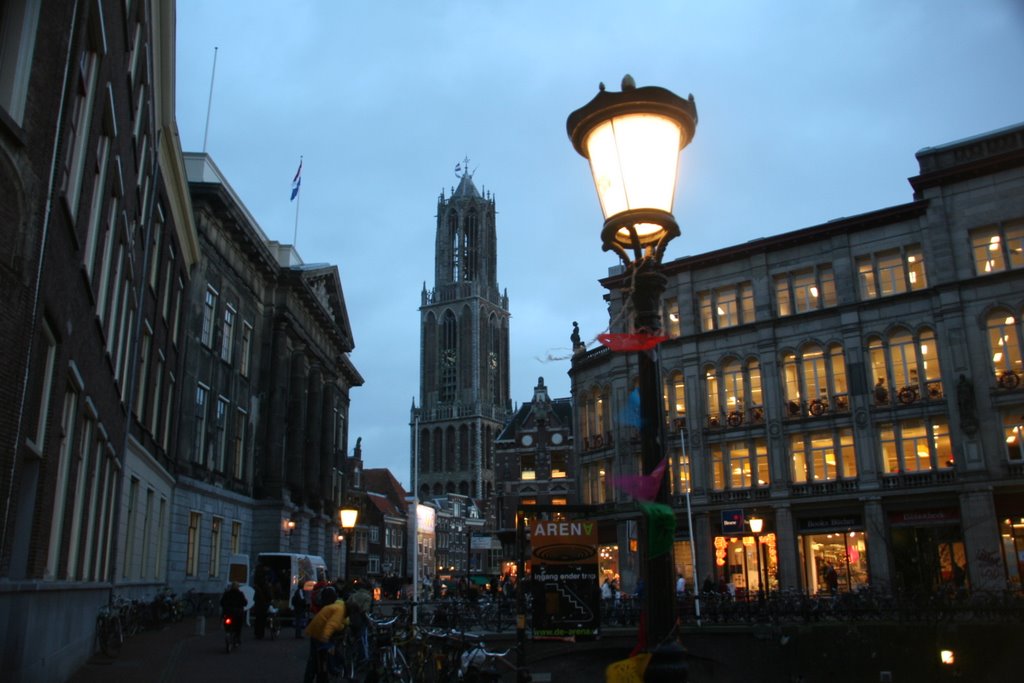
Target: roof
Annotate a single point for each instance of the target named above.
(381, 502)
(380, 480)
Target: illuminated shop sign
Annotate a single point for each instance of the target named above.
(829, 523)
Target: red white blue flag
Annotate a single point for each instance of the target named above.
(296, 181)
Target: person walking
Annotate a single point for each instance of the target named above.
(300, 610)
(261, 604)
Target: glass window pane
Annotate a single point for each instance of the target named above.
(986, 245)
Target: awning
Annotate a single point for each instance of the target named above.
(480, 580)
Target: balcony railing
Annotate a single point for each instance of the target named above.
(912, 480)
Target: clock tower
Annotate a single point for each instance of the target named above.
(464, 369)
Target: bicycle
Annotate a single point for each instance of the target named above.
(273, 622)
(232, 633)
(195, 603)
(388, 659)
(109, 631)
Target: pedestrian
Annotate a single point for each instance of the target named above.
(680, 586)
(831, 579)
(261, 604)
(329, 620)
(300, 610)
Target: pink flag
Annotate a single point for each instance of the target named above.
(641, 486)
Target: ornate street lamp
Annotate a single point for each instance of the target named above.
(348, 517)
(632, 140)
(756, 525)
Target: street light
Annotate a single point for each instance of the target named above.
(756, 524)
(632, 140)
(348, 517)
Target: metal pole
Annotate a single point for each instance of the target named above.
(760, 581)
(521, 674)
(648, 286)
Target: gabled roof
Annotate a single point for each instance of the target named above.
(380, 480)
(381, 502)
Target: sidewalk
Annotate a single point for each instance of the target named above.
(178, 653)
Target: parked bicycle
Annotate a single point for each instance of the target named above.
(109, 631)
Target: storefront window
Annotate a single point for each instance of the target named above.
(1011, 532)
(845, 551)
(736, 560)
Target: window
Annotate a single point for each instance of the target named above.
(215, 546)
(96, 204)
(916, 446)
(177, 310)
(168, 289)
(739, 465)
(82, 103)
(675, 400)
(192, 544)
(45, 357)
(373, 564)
(246, 357)
(228, 334)
(806, 290)
(131, 528)
(199, 433)
(154, 249)
(594, 416)
(559, 464)
(671, 322)
(19, 20)
(165, 432)
(236, 538)
(734, 394)
(1004, 339)
(820, 457)
(726, 307)
(1013, 431)
(891, 272)
(905, 367)
(374, 534)
(998, 247)
(147, 539)
(238, 455)
(528, 466)
(161, 539)
(222, 434)
(679, 466)
(449, 356)
(156, 395)
(814, 381)
(142, 383)
(69, 421)
(209, 310)
(594, 478)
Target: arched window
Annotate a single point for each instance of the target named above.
(814, 379)
(905, 367)
(437, 450)
(463, 448)
(424, 454)
(449, 449)
(734, 393)
(453, 235)
(449, 356)
(594, 418)
(470, 256)
(1004, 339)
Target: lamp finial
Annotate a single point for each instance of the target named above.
(628, 83)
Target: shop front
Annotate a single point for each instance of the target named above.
(746, 555)
(832, 541)
(928, 550)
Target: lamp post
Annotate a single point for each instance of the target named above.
(632, 140)
(348, 517)
(756, 524)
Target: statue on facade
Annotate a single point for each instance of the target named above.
(577, 344)
(965, 403)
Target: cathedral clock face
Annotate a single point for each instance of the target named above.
(448, 356)
(492, 360)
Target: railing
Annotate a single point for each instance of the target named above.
(918, 479)
(824, 488)
(597, 441)
(860, 605)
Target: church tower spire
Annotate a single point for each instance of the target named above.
(464, 337)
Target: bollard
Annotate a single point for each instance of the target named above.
(200, 625)
(667, 665)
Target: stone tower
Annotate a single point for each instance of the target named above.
(464, 364)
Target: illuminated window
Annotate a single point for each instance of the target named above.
(891, 272)
(916, 446)
(823, 456)
(733, 393)
(740, 465)
(726, 307)
(814, 381)
(997, 247)
(671, 323)
(1004, 339)
(803, 291)
(905, 367)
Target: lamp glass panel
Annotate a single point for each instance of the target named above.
(634, 160)
(348, 517)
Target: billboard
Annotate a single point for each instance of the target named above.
(566, 595)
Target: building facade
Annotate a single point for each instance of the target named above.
(99, 248)
(464, 352)
(857, 385)
(265, 396)
(535, 458)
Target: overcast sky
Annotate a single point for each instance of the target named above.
(808, 111)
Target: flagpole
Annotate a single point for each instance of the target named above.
(295, 235)
(297, 196)
(209, 102)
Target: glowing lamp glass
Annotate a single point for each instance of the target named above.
(349, 516)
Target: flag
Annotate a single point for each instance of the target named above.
(643, 487)
(296, 181)
(458, 167)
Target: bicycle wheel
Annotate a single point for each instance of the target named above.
(394, 668)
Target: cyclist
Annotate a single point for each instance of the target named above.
(329, 620)
(233, 604)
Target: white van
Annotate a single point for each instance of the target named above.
(285, 571)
